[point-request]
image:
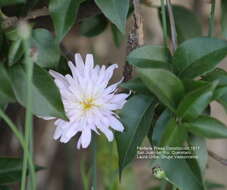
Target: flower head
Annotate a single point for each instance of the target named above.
(88, 101)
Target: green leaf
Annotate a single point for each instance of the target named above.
(150, 56)
(160, 127)
(224, 18)
(93, 26)
(191, 85)
(174, 134)
(217, 74)
(116, 11)
(206, 126)
(186, 22)
(168, 91)
(63, 14)
(15, 52)
(11, 170)
(194, 103)
(179, 173)
(136, 85)
(201, 152)
(6, 91)
(199, 56)
(136, 117)
(117, 36)
(10, 2)
(47, 49)
(199, 164)
(45, 95)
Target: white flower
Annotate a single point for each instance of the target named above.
(88, 102)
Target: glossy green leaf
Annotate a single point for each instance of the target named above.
(93, 26)
(173, 135)
(195, 102)
(206, 126)
(217, 74)
(201, 152)
(117, 36)
(45, 95)
(116, 11)
(199, 56)
(10, 2)
(179, 173)
(168, 91)
(48, 53)
(160, 127)
(136, 85)
(191, 85)
(63, 14)
(11, 170)
(150, 56)
(136, 117)
(186, 22)
(6, 91)
(224, 17)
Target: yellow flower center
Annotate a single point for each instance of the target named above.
(87, 104)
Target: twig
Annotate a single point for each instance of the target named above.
(218, 158)
(172, 25)
(135, 38)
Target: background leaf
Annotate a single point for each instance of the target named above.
(136, 117)
(116, 11)
(199, 56)
(11, 170)
(187, 24)
(10, 2)
(45, 95)
(63, 14)
(168, 91)
(93, 26)
(47, 49)
(6, 91)
(224, 18)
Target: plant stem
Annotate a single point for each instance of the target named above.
(28, 116)
(93, 146)
(172, 25)
(211, 18)
(18, 136)
(164, 23)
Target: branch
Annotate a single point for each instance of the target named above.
(172, 25)
(218, 158)
(135, 38)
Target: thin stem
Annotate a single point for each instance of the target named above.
(211, 18)
(164, 23)
(93, 146)
(18, 136)
(172, 25)
(28, 116)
